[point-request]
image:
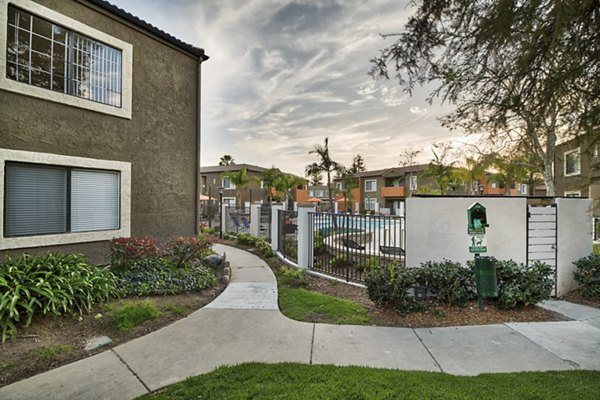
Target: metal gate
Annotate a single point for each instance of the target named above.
(264, 229)
(542, 243)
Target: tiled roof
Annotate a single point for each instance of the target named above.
(198, 52)
(391, 171)
(232, 167)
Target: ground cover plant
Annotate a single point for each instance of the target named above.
(134, 314)
(54, 284)
(300, 381)
(145, 267)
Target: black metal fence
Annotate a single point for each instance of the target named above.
(346, 245)
(287, 231)
(596, 228)
(236, 220)
(264, 229)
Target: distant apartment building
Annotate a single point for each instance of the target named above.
(577, 169)
(214, 180)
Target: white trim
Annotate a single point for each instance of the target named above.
(231, 185)
(565, 154)
(228, 200)
(29, 90)
(572, 192)
(124, 169)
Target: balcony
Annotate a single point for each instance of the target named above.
(396, 191)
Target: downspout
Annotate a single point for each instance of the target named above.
(198, 185)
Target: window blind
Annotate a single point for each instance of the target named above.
(94, 200)
(35, 200)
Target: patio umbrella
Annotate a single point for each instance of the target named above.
(204, 197)
(313, 200)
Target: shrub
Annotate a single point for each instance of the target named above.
(134, 314)
(448, 282)
(183, 249)
(123, 251)
(341, 262)
(246, 238)
(160, 277)
(264, 248)
(293, 277)
(371, 263)
(208, 230)
(290, 248)
(389, 284)
(596, 248)
(318, 244)
(52, 284)
(587, 275)
(520, 285)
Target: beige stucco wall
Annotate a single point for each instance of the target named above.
(436, 229)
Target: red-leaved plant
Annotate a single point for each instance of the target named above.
(183, 249)
(124, 251)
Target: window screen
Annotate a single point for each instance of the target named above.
(94, 200)
(35, 200)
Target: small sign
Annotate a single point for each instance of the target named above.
(476, 231)
(477, 243)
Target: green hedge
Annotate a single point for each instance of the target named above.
(449, 282)
(587, 275)
(52, 284)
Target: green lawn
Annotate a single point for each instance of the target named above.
(299, 381)
(304, 305)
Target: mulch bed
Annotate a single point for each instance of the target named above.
(24, 357)
(576, 297)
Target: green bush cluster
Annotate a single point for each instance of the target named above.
(587, 275)
(520, 285)
(293, 277)
(52, 284)
(246, 238)
(161, 277)
(341, 261)
(182, 250)
(263, 247)
(449, 282)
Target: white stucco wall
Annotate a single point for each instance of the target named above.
(574, 238)
(436, 229)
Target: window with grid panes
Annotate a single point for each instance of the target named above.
(46, 55)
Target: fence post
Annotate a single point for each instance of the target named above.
(255, 219)
(304, 245)
(275, 207)
(224, 216)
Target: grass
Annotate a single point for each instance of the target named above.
(49, 352)
(303, 305)
(596, 248)
(134, 314)
(175, 309)
(299, 381)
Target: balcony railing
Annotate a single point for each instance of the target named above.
(396, 191)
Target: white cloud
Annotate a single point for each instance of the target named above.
(283, 75)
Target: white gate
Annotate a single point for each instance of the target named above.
(542, 235)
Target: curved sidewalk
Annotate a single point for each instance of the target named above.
(244, 324)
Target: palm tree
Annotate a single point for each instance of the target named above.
(325, 165)
(226, 160)
(241, 180)
(349, 182)
(269, 178)
(286, 183)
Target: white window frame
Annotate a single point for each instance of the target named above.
(124, 169)
(524, 188)
(413, 182)
(229, 201)
(52, 16)
(373, 188)
(231, 186)
(338, 185)
(566, 154)
(318, 193)
(262, 184)
(311, 193)
(370, 203)
(573, 193)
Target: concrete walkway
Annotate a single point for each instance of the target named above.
(244, 324)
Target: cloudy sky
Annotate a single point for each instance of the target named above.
(284, 75)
